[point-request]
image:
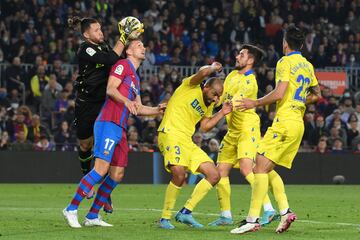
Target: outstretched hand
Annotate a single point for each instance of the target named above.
(129, 30)
(227, 107)
(133, 106)
(162, 107)
(244, 104)
(216, 66)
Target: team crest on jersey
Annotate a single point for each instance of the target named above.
(119, 69)
(90, 51)
(228, 96)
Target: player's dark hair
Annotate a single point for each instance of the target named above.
(83, 23)
(257, 53)
(294, 37)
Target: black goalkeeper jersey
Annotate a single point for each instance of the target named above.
(95, 62)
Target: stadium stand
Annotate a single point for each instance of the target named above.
(38, 62)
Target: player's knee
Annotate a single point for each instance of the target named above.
(260, 169)
(101, 167)
(245, 171)
(224, 172)
(178, 176)
(178, 179)
(117, 177)
(102, 171)
(213, 178)
(246, 166)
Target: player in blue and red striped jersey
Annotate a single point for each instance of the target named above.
(110, 148)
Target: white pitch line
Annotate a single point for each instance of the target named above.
(159, 210)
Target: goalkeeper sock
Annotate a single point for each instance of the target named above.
(85, 161)
(86, 183)
(102, 195)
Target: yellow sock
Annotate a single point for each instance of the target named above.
(201, 189)
(277, 185)
(223, 191)
(171, 194)
(259, 190)
(250, 178)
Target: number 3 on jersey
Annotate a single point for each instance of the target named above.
(300, 94)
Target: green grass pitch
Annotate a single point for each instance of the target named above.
(33, 211)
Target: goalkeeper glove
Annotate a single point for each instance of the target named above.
(132, 29)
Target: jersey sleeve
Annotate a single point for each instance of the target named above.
(119, 69)
(186, 81)
(282, 71)
(91, 54)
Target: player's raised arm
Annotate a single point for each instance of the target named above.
(129, 28)
(146, 110)
(206, 124)
(91, 31)
(113, 92)
(204, 72)
(274, 96)
(282, 82)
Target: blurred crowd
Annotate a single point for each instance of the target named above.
(178, 32)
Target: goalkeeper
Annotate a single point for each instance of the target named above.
(95, 59)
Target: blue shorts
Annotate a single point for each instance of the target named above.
(110, 143)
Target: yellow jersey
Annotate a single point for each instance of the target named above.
(237, 86)
(296, 70)
(184, 110)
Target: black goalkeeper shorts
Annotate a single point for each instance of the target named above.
(85, 116)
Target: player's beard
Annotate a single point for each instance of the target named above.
(142, 57)
(95, 41)
(206, 99)
(208, 102)
(239, 67)
(101, 40)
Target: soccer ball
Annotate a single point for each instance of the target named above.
(338, 179)
(135, 23)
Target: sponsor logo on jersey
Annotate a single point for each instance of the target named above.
(196, 105)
